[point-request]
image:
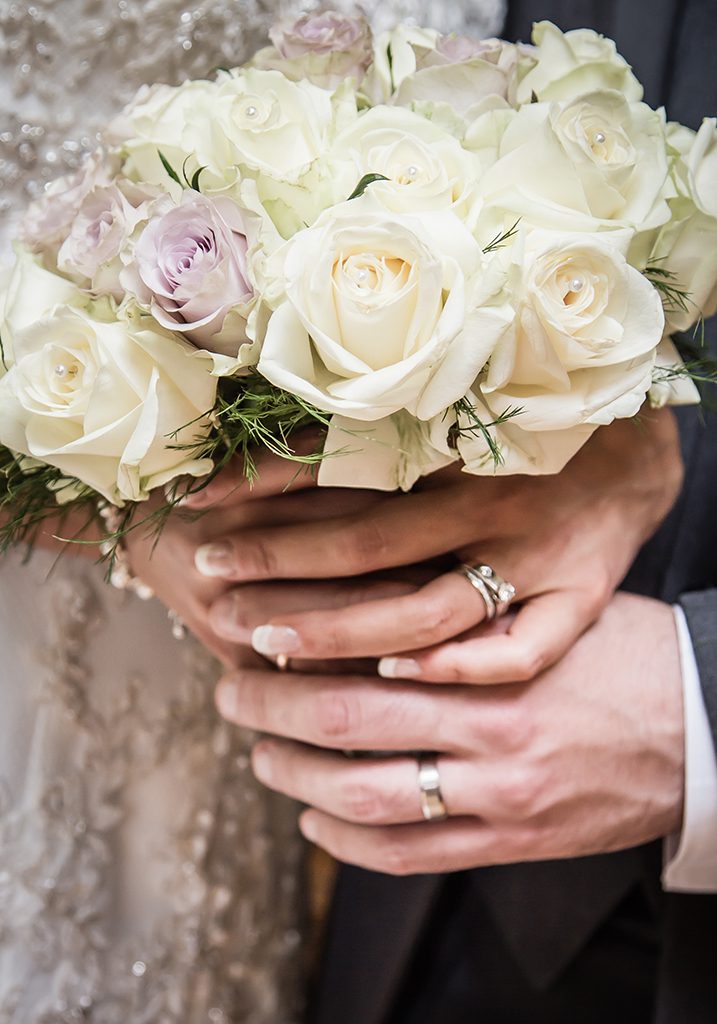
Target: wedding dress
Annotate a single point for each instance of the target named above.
(145, 877)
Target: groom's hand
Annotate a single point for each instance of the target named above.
(588, 758)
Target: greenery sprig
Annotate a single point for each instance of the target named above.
(476, 427)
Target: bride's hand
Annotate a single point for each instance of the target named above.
(281, 495)
(564, 541)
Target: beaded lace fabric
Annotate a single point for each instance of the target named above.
(145, 877)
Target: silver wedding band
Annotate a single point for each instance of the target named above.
(497, 593)
(433, 806)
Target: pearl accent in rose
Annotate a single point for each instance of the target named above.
(599, 138)
(63, 371)
(251, 111)
(577, 284)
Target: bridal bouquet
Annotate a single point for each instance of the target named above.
(433, 249)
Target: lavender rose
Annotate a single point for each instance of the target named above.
(189, 268)
(106, 219)
(49, 218)
(325, 47)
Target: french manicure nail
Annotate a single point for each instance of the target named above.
(214, 559)
(272, 640)
(398, 668)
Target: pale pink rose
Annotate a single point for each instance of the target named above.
(49, 219)
(459, 48)
(189, 268)
(104, 223)
(325, 47)
(324, 32)
(461, 72)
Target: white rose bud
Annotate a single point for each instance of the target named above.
(395, 57)
(703, 168)
(568, 64)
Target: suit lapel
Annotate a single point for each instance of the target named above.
(374, 925)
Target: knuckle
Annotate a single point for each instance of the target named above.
(363, 802)
(395, 857)
(250, 700)
(337, 716)
(329, 642)
(259, 560)
(602, 588)
(448, 666)
(528, 661)
(519, 792)
(234, 608)
(513, 726)
(435, 617)
(366, 546)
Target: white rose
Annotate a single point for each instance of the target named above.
(30, 292)
(427, 167)
(157, 120)
(687, 249)
(263, 122)
(568, 64)
(395, 56)
(670, 384)
(380, 313)
(595, 162)
(582, 347)
(703, 168)
(102, 401)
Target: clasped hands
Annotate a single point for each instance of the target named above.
(558, 728)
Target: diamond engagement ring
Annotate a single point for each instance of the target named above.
(433, 807)
(496, 592)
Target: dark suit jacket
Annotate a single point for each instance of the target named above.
(546, 913)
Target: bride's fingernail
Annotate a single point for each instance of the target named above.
(214, 559)
(273, 640)
(398, 668)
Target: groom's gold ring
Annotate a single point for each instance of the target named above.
(433, 807)
(496, 592)
(282, 662)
